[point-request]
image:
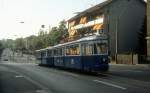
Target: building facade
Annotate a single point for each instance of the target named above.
(148, 29)
(120, 20)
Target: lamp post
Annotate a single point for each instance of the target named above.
(14, 45)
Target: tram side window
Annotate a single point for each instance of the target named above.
(58, 52)
(55, 52)
(93, 48)
(67, 51)
(73, 50)
(101, 48)
(88, 49)
(43, 53)
(49, 53)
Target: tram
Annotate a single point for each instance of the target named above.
(86, 54)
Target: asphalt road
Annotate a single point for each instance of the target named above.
(31, 78)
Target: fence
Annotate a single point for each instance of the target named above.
(22, 58)
(131, 59)
(127, 59)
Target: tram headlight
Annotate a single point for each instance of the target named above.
(104, 59)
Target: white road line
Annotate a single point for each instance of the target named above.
(110, 84)
(19, 76)
(133, 71)
(71, 74)
(41, 91)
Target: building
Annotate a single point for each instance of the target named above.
(148, 29)
(120, 20)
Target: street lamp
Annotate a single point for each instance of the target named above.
(14, 45)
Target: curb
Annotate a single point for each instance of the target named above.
(137, 65)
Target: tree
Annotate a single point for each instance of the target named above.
(63, 29)
(43, 40)
(1, 48)
(55, 36)
(20, 44)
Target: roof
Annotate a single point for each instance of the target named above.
(98, 6)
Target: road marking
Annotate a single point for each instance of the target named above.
(41, 91)
(71, 74)
(145, 83)
(110, 84)
(19, 76)
(133, 71)
(138, 71)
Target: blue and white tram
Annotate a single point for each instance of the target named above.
(87, 54)
(58, 56)
(49, 57)
(42, 54)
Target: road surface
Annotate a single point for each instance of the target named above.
(31, 78)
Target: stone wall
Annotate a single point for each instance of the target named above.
(130, 59)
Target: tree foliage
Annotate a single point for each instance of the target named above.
(1, 47)
(42, 40)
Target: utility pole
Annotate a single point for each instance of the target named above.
(148, 30)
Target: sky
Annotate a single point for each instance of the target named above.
(35, 13)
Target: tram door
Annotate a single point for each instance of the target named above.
(87, 58)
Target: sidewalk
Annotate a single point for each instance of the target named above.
(129, 66)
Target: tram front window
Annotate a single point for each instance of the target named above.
(94, 48)
(101, 48)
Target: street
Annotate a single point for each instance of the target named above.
(75, 46)
(31, 78)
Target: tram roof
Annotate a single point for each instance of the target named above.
(88, 38)
(41, 50)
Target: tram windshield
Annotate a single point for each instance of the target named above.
(101, 48)
(94, 48)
